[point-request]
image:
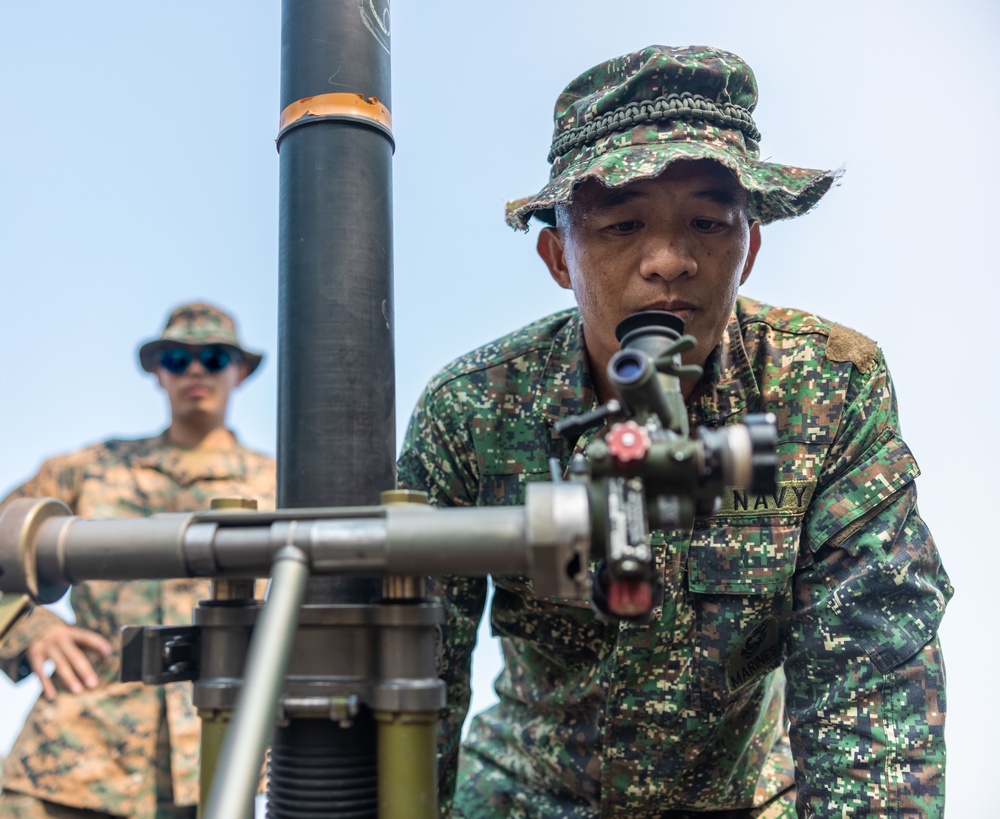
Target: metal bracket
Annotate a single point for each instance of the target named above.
(160, 654)
(342, 709)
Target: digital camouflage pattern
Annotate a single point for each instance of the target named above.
(631, 116)
(197, 324)
(19, 806)
(98, 750)
(820, 602)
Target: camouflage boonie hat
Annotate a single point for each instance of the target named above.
(197, 324)
(630, 117)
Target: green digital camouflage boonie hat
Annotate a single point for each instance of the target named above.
(197, 324)
(630, 117)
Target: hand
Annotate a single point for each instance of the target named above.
(65, 646)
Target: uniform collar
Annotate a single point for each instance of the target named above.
(566, 387)
(728, 387)
(186, 465)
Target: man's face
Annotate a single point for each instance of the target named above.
(196, 394)
(680, 242)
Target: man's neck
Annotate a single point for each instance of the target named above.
(189, 436)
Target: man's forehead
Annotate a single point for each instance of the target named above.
(195, 347)
(704, 179)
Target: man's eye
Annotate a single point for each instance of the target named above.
(627, 226)
(707, 224)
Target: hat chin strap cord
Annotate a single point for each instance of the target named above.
(673, 106)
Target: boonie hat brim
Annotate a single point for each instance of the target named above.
(776, 191)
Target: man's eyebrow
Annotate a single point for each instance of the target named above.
(615, 198)
(720, 196)
(724, 196)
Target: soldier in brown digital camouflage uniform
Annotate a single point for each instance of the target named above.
(793, 667)
(93, 746)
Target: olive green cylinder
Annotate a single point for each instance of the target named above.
(214, 724)
(213, 732)
(407, 765)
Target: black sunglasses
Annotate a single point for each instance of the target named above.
(213, 358)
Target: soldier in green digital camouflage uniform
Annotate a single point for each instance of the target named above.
(793, 668)
(93, 746)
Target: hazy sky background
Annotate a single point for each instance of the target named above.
(139, 170)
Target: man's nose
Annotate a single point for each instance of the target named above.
(667, 256)
(196, 367)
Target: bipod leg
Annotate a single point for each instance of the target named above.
(238, 772)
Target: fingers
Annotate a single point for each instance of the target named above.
(76, 668)
(65, 646)
(40, 652)
(64, 670)
(91, 640)
(37, 663)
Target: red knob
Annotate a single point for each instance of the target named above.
(627, 443)
(630, 597)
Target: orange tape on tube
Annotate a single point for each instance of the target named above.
(349, 105)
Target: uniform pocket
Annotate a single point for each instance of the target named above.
(743, 558)
(739, 580)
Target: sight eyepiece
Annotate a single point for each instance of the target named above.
(644, 371)
(651, 331)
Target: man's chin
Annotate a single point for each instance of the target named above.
(197, 412)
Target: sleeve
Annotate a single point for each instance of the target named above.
(57, 478)
(438, 458)
(866, 683)
(14, 643)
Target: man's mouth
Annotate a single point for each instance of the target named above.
(684, 309)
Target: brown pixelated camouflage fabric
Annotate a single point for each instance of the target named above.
(797, 640)
(97, 750)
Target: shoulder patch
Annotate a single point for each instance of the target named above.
(845, 344)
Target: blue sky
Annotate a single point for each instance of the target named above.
(139, 170)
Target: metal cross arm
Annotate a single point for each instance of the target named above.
(44, 549)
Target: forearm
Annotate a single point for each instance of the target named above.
(866, 696)
(872, 744)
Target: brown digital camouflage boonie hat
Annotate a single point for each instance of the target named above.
(630, 117)
(197, 324)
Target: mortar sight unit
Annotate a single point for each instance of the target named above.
(647, 472)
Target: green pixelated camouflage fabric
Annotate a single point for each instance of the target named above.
(630, 117)
(98, 750)
(795, 651)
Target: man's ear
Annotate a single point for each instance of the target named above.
(243, 371)
(752, 253)
(159, 377)
(550, 247)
